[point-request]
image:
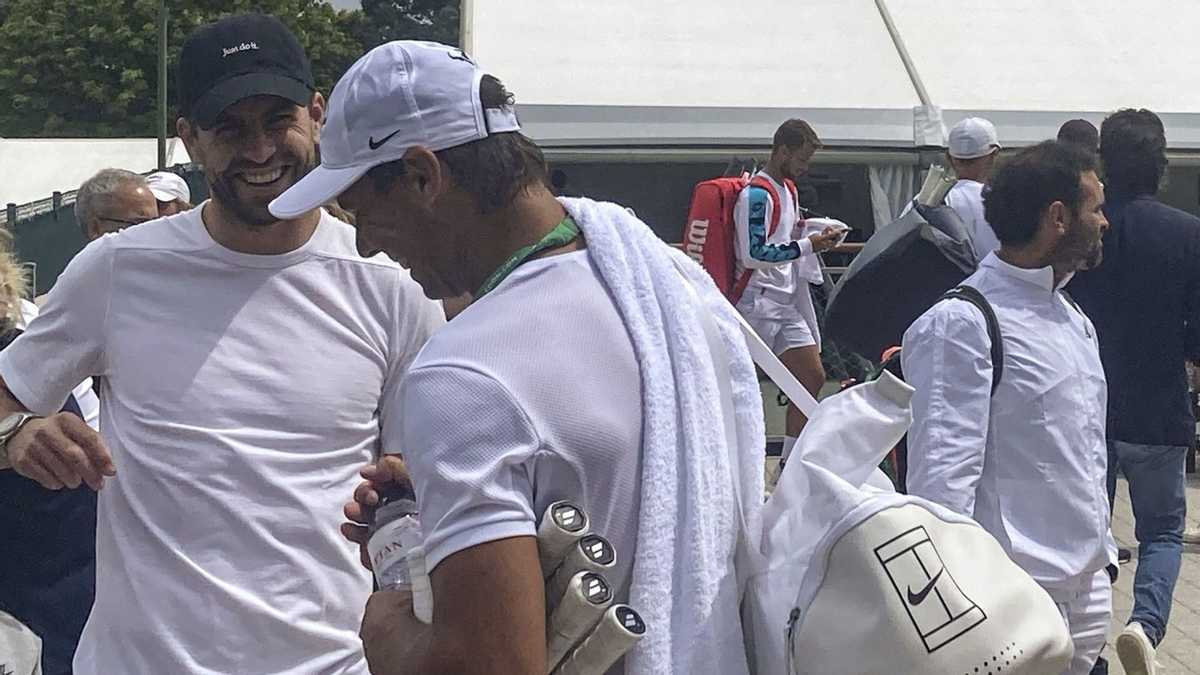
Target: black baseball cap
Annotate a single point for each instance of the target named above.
(238, 57)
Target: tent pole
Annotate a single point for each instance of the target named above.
(162, 85)
(903, 52)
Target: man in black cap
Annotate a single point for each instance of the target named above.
(249, 366)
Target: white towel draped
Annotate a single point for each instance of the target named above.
(700, 517)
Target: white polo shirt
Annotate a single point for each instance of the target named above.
(531, 395)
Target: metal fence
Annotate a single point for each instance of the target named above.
(48, 235)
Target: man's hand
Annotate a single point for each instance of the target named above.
(825, 240)
(361, 511)
(391, 632)
(60, 451)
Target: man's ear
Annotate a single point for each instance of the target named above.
(92, 229)
(423, 175)
(1059, 216)
(190, 135)
(316, 110)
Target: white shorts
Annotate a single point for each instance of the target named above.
(779, 324)
(1087, 613)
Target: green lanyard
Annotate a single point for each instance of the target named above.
(565, 232)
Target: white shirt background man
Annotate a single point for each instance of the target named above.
(972, 152)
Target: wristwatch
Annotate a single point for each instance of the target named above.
(9, 426)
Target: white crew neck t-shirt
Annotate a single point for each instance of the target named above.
(242, 394)
(533, 394)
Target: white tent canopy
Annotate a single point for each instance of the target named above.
(32, 169)
(677, 73)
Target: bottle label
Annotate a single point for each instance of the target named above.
(388, 547)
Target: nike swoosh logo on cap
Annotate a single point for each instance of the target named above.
(375, 145)
(915, 599)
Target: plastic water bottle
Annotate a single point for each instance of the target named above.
(394, 533)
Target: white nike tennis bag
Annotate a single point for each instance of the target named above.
(856, 579)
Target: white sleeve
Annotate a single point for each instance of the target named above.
(417, 319)
(946, 357)
(470, 451)
(89, 403)
(65, 344)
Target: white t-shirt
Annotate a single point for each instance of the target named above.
(242, 393)
(533, 394)
(89, 403)
(966, 198)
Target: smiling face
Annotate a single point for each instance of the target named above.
(258, 147)
(415, 217)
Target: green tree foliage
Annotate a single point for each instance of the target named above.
(386, 20)
(73, 68)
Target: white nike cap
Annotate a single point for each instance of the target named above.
(167, 187)
(400, 95)
(972, 138)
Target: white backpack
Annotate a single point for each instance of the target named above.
(855, 579)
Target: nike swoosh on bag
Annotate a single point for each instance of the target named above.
(375, 145)
(915, 599)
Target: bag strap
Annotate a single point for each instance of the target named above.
(776, 205)
(759, 351)
(973, 296)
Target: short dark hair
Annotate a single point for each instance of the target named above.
(493, 170)
(795, 134)
(1023, 187)
(1081, 132)
(1133, 148)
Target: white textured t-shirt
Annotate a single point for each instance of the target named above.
(966, 198)
(533, 394)
(242, 394)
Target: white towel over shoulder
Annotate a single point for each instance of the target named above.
(700, 515)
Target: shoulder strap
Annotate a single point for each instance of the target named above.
(973, 296)
(791, 188)
(764, 184)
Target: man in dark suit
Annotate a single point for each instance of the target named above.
(1144, 300)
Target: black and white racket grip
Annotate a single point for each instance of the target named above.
(591, 553)
(618, 632)
(562, 525)
(580, 608)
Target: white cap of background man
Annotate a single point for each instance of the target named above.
(973, 138)
(167, 187)
(400, 95)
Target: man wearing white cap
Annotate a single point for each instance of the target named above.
(580, 371)
(973, 151)
(171, 191)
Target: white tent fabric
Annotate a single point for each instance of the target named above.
(892, 188)
(32, 169)
(696, 72)
(686, 72)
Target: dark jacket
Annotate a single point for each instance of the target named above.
(48, 559)
(1144, 300)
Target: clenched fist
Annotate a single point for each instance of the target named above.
(60, 451)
